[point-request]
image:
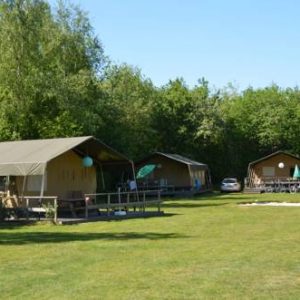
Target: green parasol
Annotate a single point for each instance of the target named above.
(145, 170)
(296, 172)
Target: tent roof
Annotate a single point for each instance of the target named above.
(178, 158)
(271, 155)
(30, 157)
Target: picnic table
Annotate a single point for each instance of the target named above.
(73, 205)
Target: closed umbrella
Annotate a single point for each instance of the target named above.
(296, 174)
(145, 170)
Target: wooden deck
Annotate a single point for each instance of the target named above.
(122, 201)
(129, 215)
(78, 220)
(273, 185)
(98, 206)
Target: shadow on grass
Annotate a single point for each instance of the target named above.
(128, 217)
(191, 205)
(18, 224)
(219, 196)
(23, 238)
(229, 196)
(15, 224)
(212, 196)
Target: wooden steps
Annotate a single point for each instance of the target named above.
(248, 190)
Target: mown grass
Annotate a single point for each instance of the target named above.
(203, 248)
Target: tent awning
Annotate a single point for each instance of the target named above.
(22, 158)
(22, 169)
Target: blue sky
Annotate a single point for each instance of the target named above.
(243, 42)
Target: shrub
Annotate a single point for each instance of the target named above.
(49, 211)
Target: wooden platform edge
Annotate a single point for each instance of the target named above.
(132, 215)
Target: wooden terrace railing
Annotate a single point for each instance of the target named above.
(35, 204)
(274, 184)
(122, 200)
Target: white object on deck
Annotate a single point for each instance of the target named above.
(120, 213)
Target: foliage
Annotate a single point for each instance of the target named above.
(56, 81)
(126, 110)
(49, 64)
(49, 211)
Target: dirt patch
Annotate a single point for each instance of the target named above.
(271, 204)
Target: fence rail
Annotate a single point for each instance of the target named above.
(122, 200)
(35, 204)
(109, 202)
(274, 184)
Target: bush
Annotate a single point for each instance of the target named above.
(49, 211)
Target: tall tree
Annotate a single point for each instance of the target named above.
(171, 120)
(49, 65)
(126, 111)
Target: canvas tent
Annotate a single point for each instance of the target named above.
(54, 166)
(276, 166)
(175, 172)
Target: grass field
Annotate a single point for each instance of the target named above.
(204, 248)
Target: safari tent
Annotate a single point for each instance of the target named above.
(60, 166)
(174, 173)
(279, 165)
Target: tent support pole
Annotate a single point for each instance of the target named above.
(24, 185)
(102, 177)
(191, 179)
(43, 184)
(42, 189)
(7, 183)
(134, 178)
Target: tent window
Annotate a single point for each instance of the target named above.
(268, 171)
(34, 183)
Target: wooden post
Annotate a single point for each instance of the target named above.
(86, 207)
(108, 204)
(27, 212)
(55, 210)
(119, 197)
(158, 198)
(144, 201)
(128, 196)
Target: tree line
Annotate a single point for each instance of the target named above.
(56, 81)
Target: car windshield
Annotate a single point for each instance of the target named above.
(230, 180)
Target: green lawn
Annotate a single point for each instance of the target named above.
(204, 248)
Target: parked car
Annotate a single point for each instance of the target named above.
(230, 185)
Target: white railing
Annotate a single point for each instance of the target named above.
(35, 204)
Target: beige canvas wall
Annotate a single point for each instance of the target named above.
(175, 173)
(199, 173)
(65, 174)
